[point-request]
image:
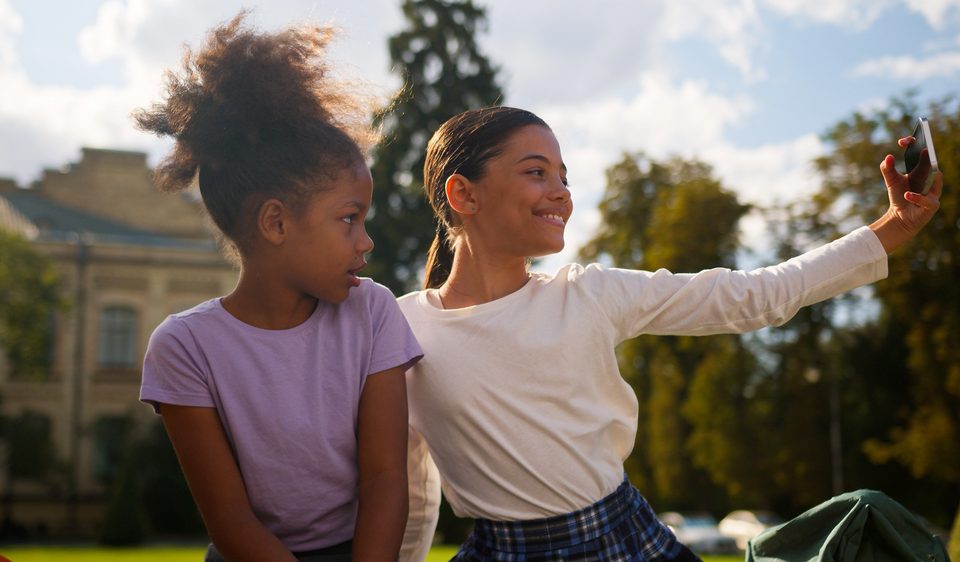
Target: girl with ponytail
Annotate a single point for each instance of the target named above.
(519, 403)
(284, 399)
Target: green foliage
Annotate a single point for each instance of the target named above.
(921, 294)
(30, 451)
(123, 524)
(169, 507)
(30, 295)
(149, 497)
(444, 73)
(898, 374)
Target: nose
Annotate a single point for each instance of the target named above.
(365, 243)
(560, 192)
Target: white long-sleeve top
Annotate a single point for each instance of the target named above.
(520, 400)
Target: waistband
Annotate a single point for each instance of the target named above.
(342, 548)
(567, 530)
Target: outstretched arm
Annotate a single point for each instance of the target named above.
(382, 458)
(217, 487)
(909, 212)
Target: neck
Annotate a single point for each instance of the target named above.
(261, 300)
(477, 279)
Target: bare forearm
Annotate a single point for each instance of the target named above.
(242, 538)
(381, 517)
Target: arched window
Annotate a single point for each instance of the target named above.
(118, 337)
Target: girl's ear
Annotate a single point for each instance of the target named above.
(272, 221)
(461, 195)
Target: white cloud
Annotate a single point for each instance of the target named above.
(734, 26)
(770, 174)
(935, 11)
(45, 125)
(858, 14)
(556, 52)
(111, 34)
(911, 68)
(10, 26)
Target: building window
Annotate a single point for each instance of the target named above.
(118, 331)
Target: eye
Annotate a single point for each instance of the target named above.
(349, 219)
(537, 172)
(565, 181)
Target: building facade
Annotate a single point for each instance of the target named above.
(127, 256)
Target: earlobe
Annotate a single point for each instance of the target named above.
(272, 221)
(461, 195)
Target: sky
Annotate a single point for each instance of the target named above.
(748, 86)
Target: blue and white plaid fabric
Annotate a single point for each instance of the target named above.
(619, 528)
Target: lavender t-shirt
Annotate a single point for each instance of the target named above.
(288, 400)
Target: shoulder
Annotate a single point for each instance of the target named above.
(410, 301)
(180, 325)
(372, 298)
(181, 334)
(576, 276)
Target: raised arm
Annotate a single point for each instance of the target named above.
(217, 486)
(909, 212)
(382, 458)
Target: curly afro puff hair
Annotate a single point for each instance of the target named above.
(257, 116)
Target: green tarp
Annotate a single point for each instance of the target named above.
(860, 526)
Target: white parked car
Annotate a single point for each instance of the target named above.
(742, 525)
(699, 533)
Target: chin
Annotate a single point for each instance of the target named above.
(543, 252)
(334, 297)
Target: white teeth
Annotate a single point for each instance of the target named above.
(556, 218)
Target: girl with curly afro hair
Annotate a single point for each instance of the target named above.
(284, 399)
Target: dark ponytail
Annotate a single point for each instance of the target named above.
(462, 145)
(439, 259)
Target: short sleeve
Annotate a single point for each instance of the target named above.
(173, 368)
(394, 344)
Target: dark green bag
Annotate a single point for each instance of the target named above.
(858, 526)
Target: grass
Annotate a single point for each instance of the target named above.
(176, 554)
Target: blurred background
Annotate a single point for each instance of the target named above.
(697, 134)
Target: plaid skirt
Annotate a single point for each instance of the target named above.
(619, 528)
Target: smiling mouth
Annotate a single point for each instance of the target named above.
(552, 218)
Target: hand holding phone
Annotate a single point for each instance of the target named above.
(921, 158)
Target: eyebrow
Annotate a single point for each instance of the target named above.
(355, 204)
(541, 158)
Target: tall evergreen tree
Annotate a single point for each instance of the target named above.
(444, 73)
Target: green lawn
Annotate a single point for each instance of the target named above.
(176, 554)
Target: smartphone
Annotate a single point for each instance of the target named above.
(921, 158)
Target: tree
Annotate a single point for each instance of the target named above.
(674, 215)
(444, 73)
(920, 301)
(148, 494)
(30, 295)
